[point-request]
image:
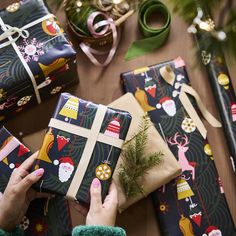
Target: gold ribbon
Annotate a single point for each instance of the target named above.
(93, 135)
(186, 89)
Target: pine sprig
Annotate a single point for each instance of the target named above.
(135, 161)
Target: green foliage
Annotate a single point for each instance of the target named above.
(209, 40)
(135, 162)
(188, 8)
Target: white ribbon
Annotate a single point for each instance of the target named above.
(9, 32)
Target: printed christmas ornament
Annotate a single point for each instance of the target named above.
(54, 66)
(47, 145)
(24, 224)
(150, 86)
(103, 172)
(196, 216)
(168, 105)
(223, 80)
(207, 150)
(212, 231)
(31, 50)
(66, 168)
(23, 101)
(70, 109)
(56, 90)
(51, 27)
(183, 189)
(185, 226)
(22, 150)
(61, 142)
(141, 97)
(188, 126)
(113, 129)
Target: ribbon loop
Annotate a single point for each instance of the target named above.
(108, 25)
(153, 37)
(186, 89)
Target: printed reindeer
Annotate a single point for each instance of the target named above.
(183, 161)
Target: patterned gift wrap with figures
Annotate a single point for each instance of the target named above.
(83, 141)
(36, 61)
(42, 218)
(194, 203)
(12, 154)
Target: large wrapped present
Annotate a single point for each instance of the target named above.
(83, 141)
(193, 204)
(36, 58)
(156, 176)
(44, 217)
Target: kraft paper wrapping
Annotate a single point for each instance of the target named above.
(158, 175)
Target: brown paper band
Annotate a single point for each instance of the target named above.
(192, 112)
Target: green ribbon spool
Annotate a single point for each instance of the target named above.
(153, 37)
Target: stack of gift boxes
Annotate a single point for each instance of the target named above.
(84, 140)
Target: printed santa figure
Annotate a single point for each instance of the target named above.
(66, 168)
(212, 231)
(168, 105)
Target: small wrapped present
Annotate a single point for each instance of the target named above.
(83, 141)
(36, 58)
(12, 154)
(194, 203)
(158, 175)
(43, 214)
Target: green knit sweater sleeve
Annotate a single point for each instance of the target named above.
(98, 231)
(16, 232)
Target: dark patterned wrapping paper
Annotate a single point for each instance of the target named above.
(46, 52)
(12, 154)
(63, 147)
(224, 94)
(193, 204)
(56, 220)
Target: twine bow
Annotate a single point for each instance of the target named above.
(10, 31)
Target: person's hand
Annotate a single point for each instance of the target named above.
(18, 194)
(102, 213)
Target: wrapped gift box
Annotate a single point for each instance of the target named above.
(36, 58)
(43, 218)
(156, 176)
(83, 141)
(193, 204)
(47, 218)
(12, 154)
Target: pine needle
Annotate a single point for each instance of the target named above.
(135, 162)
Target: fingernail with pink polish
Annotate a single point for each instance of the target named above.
(39, 172)
(96, 183)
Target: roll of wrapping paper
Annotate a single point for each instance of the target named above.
(223, 90)
(153, 37)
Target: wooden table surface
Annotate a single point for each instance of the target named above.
(102, 85)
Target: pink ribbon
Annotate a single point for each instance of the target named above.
(9, 147)
(107, 24)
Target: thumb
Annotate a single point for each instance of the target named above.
(26, 183)
(95, 193)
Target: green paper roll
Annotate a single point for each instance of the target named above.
(153, 37)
